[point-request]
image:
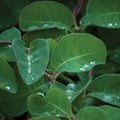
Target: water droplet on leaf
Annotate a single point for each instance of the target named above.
(7, 87)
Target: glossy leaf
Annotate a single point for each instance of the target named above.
(45, 33)
(45, 14)
(51, 104)
(16, 104)
(72, 90)
(106, 88)
(7, 77)
(44, 118)
(78, 52)
(34, 63)
(8, 36)
(90, 113)
(111, 113)
(10, 12)
(102, 13)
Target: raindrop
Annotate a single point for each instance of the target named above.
(45, 25)
(7, 87)
(109, 24)
(92, 63)
(47, 113)
(116, 24)
(118, 97)
(82, 69)
(71, 86)
(86, 66)
(29, 70)
(107, 98)
(40, 94)
(58, 115)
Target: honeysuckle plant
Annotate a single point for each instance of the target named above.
(60, 60)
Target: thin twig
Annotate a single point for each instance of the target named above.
(76, 10)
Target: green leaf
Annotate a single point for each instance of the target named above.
(31, 66)
(115, 55)
(9, 35)
(106, 88)
(78, 52)
(45, 33)
(7, 77)
(45, 14)
(9, 12)
(44, 118)
(16, 104)
(51, 104)
(102, 13)
(90, 113)
(109, 67)
(111, 113)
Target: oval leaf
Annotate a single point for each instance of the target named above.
(7, 77)
(6, 39)
(16, 104)
(45, 14)
(102, 13)
(106, 88)
(78, 52)
(31, 66)
(111, 113)
(44, 118)
(51, 104)
(90, 113)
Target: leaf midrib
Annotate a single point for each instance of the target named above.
(77, 58)
(54, 105)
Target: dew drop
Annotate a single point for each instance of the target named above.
(40, 94)
(7, 87)
(71, 86)
(58, 115)
(118, 97)
(92, 63)
(82, 69)
(107, 98)
(109, 24)
(116, 24)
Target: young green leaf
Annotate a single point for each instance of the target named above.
(7, 77)
(78, 52)
(16, 104)
(106, 88)
(31, 65)
(110, 112)
(6, 39)
(54, 103)
(10, 35)
(44, 118)
(45, 14)
(90, 113)
(102, 13)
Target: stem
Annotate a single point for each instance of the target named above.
(76, 10)
(50, 76)
(5, 43)
(66, 79)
